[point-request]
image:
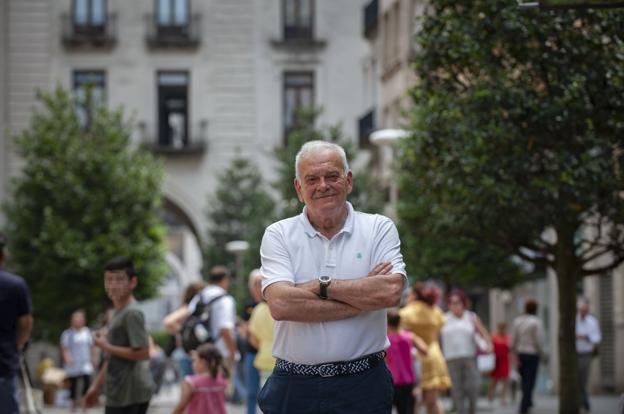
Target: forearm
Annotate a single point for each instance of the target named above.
(24, 328)
(173, 321)
(99, 379)
(230, 342)
(368, 293)
(290, 303)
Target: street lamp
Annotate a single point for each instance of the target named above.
(238, 249)
(386, 138)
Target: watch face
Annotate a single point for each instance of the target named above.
(324, 279)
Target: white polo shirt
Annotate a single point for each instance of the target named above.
(293, 251)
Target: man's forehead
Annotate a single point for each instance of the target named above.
(325, 160)
(115, 273)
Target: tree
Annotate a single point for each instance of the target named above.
(240, 209)
(84, 196)
(516, 143)
(365, 195)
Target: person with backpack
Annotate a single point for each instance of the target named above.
(210, 317)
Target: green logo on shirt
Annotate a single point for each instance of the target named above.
(359, 255)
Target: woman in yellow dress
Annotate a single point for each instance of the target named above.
(425, 319)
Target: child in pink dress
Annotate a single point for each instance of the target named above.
(204, 392)
(400, 361)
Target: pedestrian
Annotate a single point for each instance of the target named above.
(401, 362)
(125, 373)
(204, 392)
(423, 318)
(527, 345)
(222, 313)
(15, 328)
(328, 276)
(261, 325)
(501, 345)
(172, 323)
(249, 351)
(588, 337)
(459, 346)
(79, 357)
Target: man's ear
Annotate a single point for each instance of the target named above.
(297, 185)
(349, 182)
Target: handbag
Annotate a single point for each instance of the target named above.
(486, 362)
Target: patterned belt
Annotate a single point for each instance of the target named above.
(332, 369)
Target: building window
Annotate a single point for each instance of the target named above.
(173, 109)
(298, 94)
(391, 38)
(298, 19)
(90, 90)
(89, 14)
(172, 13)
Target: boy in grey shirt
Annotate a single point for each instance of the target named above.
(126, 372)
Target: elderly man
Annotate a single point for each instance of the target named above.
(328, 276)
(588, 336)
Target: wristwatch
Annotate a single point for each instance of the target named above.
(324, 282)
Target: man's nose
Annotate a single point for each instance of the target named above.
(323, 183)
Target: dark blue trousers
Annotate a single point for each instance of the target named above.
(370, 392)
(528, 373)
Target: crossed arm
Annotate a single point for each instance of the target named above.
(347, 298)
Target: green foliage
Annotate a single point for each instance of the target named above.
(84, 196)
(365, 195)
(517, 137)
(161, 338)
(580, 3)
(240, 209)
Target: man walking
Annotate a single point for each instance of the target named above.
(588, 336)
(527, 344)
(222, 313)
(15, 328)
(328, 275)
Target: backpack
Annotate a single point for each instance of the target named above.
(196, 328)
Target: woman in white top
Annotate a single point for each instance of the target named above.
(78, 354)
(460, 350)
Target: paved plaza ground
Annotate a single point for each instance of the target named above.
(165, 401)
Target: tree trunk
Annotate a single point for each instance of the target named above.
(567, 276)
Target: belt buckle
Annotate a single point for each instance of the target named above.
(325, 370)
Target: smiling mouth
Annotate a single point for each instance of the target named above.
(325, 196)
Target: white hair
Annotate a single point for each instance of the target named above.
(317, 145)
(253, 275)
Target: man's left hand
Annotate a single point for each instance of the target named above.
(382, 268)
(99, 339)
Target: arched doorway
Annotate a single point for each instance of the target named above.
(184, 262)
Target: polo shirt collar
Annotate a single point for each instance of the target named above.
(347, 227)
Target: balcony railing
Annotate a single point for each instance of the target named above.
(185, 35)
(366, 125)
(371, 12)
(93, 34)
(195, 146)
